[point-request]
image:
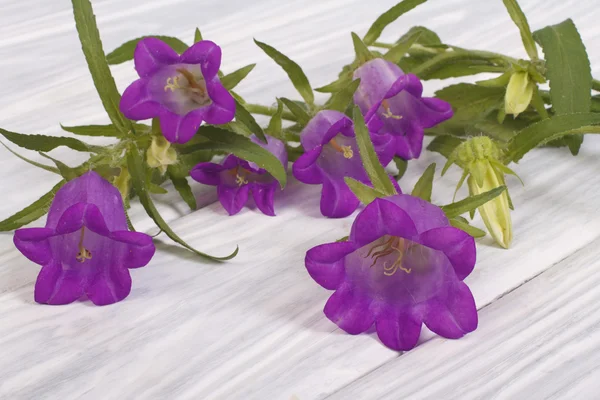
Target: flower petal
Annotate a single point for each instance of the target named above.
(205, 53)
(151, 54)
(72, 219)
(381, 217)
(56, 285)
(399, 330)
(337, 200)
(233, 198)
(349, 310)
(207, 173)
(139, 249)
(264, 195)
(110, 285)
(425, 215)
(306, 170)
(33, 243)
(323, 127)
(170, 125)
(325, 263)
(222, 109)
(137, 103)
(457, 245)
(453, 316)
(94, 220)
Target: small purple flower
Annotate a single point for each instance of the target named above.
(402, 266)
(180, 90)
(85, 247)
(235, 179)
(331, 153)
(391, 102)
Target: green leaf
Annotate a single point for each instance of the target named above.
(47, 143)
(388, 17)
(275, 124)
(242, 115)
(85, 22)
(65, 171)
(424, 185)
(444, 144)
(380, 180)
(197, 36)
(550, 129)
(138, 173)
(156, 189)
(178, 175)
(125, 51)
(518, 17)
(426, 36)
(470, 230)
(396, 53)
(471, 203)
(229, 142)
(300, 114)
(363, 54)
(341, 100)
(402, 165)
(231, 80)
(34, 163)
(101, 130)
(32, 212)
(471, 100)
(364, 193)
(293, 70)
(338, 84)
(568, 69)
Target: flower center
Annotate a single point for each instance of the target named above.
(345, 150)
(84, 254)
(394, 245)
(388, 112)
(194, 87)
(240, 178)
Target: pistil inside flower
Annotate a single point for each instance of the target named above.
(388, 111)
(345, 150)
(190, 85)
(240, 176)
(83, 254)
(394, 245)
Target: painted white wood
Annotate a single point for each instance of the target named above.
(253, 328)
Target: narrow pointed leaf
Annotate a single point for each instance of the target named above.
(363, 54)
(293, 70)
(396, 53)
(65, 171)
(518, 17)
(341, 100)
(138, 173)
(300, 114)
(197, 36)
(402, 165)
(46, 143)
(93, 130)
(444, 144)
(233, 79)
(275, 124)
(388, 17)
(336, 85)
(85, 22)
(364, 193)
(178, 174)
(242, 115)
(424, 185)
(470, 230)
(34, 163)
(471, 203)
(32, 212)
(375, 170)
(229, 142)
(125, 51)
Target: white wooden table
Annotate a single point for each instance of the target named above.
(253, 328)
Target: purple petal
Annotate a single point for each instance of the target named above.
(425, 215)
(453, 316)
(109, 286)
(139, 250)
(208, 173)
(306, 170)
(337, 200)
(205, 53)
(376, 78)
(233, 198)
(137, 102)
(384, 147)
(222, 109)
(323, 127)
(94, 221)
(56, 286)
(325, 263)
(33, 243)
(349, 310)
(381, 217)
(399, 330)
(72, 219)
(274, 146)
(175, 128)
(457, 245)
(151, 54)
(264, 197)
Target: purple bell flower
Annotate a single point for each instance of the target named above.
(402, 266)
(180, 90)
(236, 179)
(85, 247)
(392, 104)
(331, 153)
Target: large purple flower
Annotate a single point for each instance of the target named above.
(85, 247)
(180, 90)
(331, 153)
(391, 102)
(402, 266)
(236, 179)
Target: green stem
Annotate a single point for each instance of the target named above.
(596, 85)
(456, 54)
(265, 110)
(538, 103)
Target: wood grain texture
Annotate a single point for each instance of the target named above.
(253, 328)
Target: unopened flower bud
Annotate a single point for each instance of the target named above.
(518, 93)
(160, 154)
(121, 182)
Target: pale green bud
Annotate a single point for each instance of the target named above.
(160, 154)
(121, 182)
(518, 93)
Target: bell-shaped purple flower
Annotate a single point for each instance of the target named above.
(392, 104)
(402, 266)
(85, 247)
(331, 153)
(236, 179)
(180, 90)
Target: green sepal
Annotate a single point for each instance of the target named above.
(445, 145)
(468, 229)
(363, 54)
(402, 165)
(364, 193)
(125, 51)
(299, 112)
(399, 49)
(231, 80)
(65, 171)
(340, 101)
(197, 35)
(275, 124)
(424, 185)
(471, 203)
